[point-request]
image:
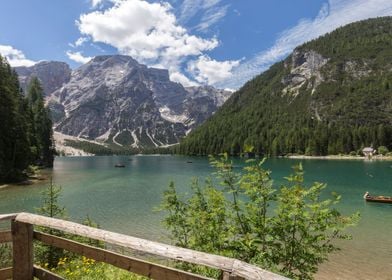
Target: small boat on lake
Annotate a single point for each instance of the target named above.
(119, 165)
(380, 198)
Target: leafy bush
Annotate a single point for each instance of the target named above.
(288, 230)
(382, 150)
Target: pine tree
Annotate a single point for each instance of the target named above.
(42, 127)
(15, 152)
(47, 254)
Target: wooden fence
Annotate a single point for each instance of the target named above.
(22, 235)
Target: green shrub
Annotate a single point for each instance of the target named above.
(237, 219)
(382, 150)
(86, 269)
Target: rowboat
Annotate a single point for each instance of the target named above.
(119, 165)
(380, 198)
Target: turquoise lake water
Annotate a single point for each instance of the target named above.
(123, 200)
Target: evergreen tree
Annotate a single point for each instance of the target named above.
(42, 127)
(15, 154)
(47, 254)
(26, 135)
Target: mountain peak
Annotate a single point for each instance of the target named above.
(52, 74)
(115, 58)
(116, 100)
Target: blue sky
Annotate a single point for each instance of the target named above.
(217, 42)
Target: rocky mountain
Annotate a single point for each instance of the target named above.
(117, 101)
(52, 75)
(331, 95)
(202, 102)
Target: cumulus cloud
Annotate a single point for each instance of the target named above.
(210, 71)
(78, 57)
(332, 15)
(15, 57)
(146, 31)
(151, 33)
(182, 79)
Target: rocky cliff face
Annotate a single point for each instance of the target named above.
(304, 67)
(52, 74)
(201, 102)
(116, 100)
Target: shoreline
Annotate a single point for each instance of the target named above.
(29, 181)
(328, 157)
(337, 157)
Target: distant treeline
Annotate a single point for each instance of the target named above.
(25, 126)
(101, 150)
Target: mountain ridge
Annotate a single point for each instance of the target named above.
(52, 75)
(331, 95)
(118, 101)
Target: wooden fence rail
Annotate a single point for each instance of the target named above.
(22, 235)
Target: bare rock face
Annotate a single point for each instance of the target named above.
(304, 67)
(202, 102)
(217, 96)
(52, 75)
(305, 70)
(116, 100)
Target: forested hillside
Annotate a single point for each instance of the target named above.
(331, 95)
(25, 126)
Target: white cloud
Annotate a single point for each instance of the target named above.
(146, 31)
(209, 12)
(211, 17)
(189, 8)
(210, 71)
(96, 3)
(15, 57)
(78, 57)
(182, 79)
(332, 15)
(81, 41)
(150, 33)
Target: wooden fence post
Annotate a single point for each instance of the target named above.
(22, 244)
(228, 276)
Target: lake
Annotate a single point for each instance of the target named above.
(123, 200)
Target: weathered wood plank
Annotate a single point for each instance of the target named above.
(5, 217)
(6, 273)
(22, 247)
(235, 267)
(44, 274)
(5, 236)
(141, 267)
